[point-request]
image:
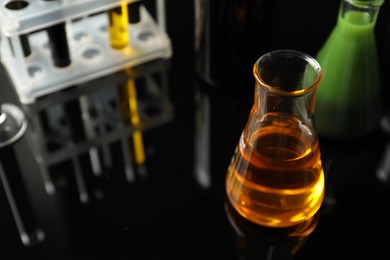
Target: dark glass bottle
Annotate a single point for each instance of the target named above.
(228, 35)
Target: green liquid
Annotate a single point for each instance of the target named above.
(349, 100)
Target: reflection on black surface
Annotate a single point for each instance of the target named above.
(353, 215)
(219, 118)
(342, 161)
(383, 170)
(79, 129)
(202, 139)
(256, 242)
(82, 142)
(18, 198)
(130, 114)
(13, 125)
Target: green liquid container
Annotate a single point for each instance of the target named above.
(349, 99)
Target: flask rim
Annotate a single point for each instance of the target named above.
(289, 53)
(366, 3)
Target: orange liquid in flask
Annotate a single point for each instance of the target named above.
(276, 178)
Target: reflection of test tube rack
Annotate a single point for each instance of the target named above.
(60, 136)
(47, 46)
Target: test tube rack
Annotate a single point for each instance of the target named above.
(24, 25)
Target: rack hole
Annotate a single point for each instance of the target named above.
(103, 28)
(16, 5)
(91, 54)
(34, 71)
(46, 46)
(81, 36)
(145, 36)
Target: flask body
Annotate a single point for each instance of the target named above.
(275, 177)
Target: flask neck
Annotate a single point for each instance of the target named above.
(269, 104)
(286, 85)
(360, 12)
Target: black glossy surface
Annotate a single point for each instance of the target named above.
(174, 206)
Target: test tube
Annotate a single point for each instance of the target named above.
(25, 45)
(59, 44)
(134, 12)
(118, 22)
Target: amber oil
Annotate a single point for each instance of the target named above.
(276, 178)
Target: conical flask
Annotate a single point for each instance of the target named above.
(275, 177)
(349, 102)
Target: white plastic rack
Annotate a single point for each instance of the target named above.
(83, 42)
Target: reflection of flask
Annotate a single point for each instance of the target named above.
(349, 100)
(276, 177)
(257, 242)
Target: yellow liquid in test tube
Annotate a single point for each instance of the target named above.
(118, 26)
